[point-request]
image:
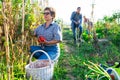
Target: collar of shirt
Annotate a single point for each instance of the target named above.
(49, 25)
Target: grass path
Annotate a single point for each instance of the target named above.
(68, 60)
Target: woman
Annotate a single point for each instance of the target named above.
(49, 36)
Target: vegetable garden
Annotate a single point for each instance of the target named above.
(75, 62)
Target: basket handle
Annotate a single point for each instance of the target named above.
(44, 53)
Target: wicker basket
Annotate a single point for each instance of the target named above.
(40, 69)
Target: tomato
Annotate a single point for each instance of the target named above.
(41, 39)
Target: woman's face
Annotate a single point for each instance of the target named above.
(47, 15)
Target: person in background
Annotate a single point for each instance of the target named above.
(49, 36)
(89, 28)
(85, 22)
(76, 22)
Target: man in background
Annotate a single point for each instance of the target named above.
(76, 22)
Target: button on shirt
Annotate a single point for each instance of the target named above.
(53, 32)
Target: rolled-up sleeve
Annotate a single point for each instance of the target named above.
(57, 33)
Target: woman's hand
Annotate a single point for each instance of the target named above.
(41, 39)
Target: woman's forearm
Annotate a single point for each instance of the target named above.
(52, 42)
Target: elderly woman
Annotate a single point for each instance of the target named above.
(49, 36)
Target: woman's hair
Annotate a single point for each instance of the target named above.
(52, 11)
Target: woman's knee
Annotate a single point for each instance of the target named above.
(52, 55)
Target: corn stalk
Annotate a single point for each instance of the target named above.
(5, 12)
(23, 16)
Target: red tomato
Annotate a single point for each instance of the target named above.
(41, 39)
